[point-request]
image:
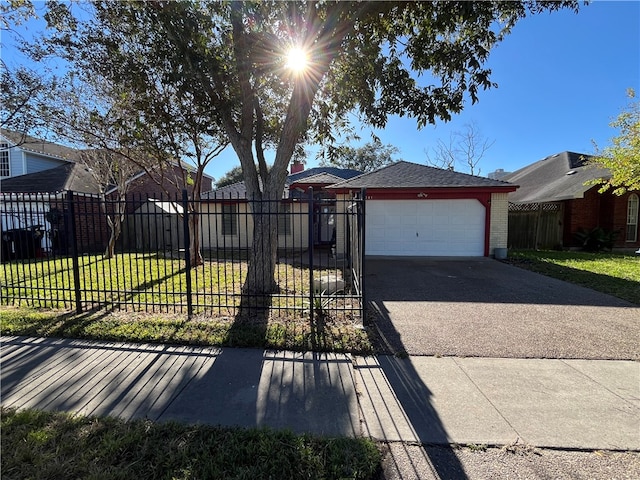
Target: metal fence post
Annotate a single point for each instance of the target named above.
(74, 252)
(362, 238)
(311, 305)
(187, 253)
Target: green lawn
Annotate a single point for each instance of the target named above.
(43, 445)
(145, 282)
(298, 334)
(612, 273)
(148, 296)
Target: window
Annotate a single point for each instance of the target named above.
(284, 219)
(4, 160)
(229, 219)
(632, 218)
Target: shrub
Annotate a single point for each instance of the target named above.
(596, 240)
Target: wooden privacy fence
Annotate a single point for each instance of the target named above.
(535, 225)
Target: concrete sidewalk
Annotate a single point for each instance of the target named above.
(573, 404)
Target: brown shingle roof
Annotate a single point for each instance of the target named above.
(412, 175)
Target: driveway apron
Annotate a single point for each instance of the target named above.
(480, 307)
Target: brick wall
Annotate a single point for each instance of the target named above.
(604, 210)
(92, 231)
(499, 224)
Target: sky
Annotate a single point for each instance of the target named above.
(562, 78)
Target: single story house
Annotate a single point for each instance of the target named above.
(227, 221)
(418, 210)
(555, 200)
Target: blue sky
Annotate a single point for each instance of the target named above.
(562, 77)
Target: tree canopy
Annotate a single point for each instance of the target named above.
(225, 63)
(367, 158)
(232, 176)
(622, 157)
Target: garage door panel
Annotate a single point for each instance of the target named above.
(425, 227)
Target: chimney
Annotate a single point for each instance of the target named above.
(297, 167)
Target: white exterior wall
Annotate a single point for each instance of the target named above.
(499, 222)
(213, 238)
(341, 224)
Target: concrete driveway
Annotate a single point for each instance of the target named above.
(480, 307)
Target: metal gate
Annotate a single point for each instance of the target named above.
(355, 216)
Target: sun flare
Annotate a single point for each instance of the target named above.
(297, 60)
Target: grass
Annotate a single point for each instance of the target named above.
(43, 445)
(612, 273)
(148, 296)
(278, 334)
(146, 282)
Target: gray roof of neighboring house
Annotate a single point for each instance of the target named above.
(412, 175)
(235, 190)
(554, 178)
(320, 178)
(343, 173)
(37, 145)
(68, 177)
(321, 175)
(232, 192)
(40, 146)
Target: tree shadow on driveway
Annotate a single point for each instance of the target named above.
(397, 406)
(484, 308)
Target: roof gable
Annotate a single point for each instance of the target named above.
(39, 146)
(68, 177)
(404, 174)
(555, 178)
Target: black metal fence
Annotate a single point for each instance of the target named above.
(53, 254)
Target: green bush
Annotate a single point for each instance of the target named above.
(596, 240)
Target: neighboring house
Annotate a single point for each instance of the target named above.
(553, 203)
(21, 154)
(229, 208)
(498, 174)
(35, 178)
(417, 210)
(33, 193)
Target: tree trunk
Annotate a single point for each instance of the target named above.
(194, 236)
(114, 221)
(260, 278)
(114, 233)
(195, 255)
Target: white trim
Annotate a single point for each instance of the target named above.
(8, 152)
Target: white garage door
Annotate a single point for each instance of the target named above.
(425, 227)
